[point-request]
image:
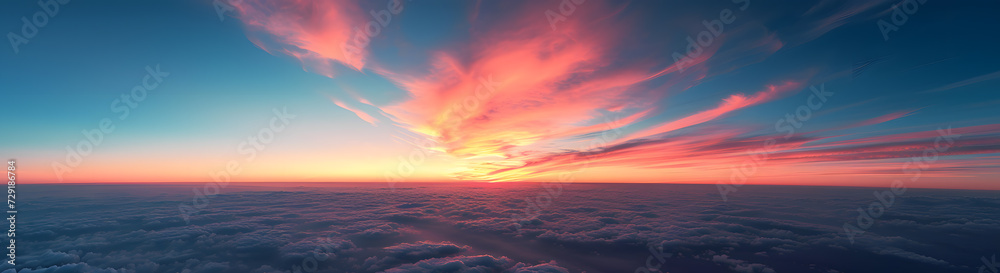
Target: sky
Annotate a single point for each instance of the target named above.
(727, 92)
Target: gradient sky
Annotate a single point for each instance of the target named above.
(594, 97)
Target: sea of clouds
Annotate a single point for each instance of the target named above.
(473, 228)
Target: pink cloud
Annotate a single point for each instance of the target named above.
(517, 99)
(315, 32)
(730, 104)
(361, 114)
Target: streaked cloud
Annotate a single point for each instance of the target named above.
(516, 98)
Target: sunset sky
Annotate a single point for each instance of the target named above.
(497, 91)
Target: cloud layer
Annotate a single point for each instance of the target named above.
(443, 228)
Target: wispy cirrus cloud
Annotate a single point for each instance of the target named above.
(970, 81)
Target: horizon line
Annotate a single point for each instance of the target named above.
(294, 183)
